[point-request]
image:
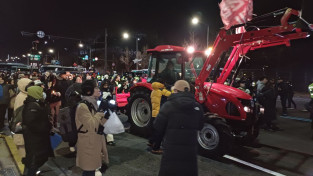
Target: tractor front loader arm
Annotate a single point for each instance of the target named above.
(242, 43)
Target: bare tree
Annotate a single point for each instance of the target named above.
(126, 59)
(191, 41)
(144, 57)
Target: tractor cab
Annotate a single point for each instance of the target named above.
(171, 63)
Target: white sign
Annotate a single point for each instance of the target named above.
(136, 60)
(40, 34)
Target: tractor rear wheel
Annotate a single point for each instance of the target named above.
(139, 113)
(215, 139)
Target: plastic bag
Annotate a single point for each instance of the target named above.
(113, 125)
(56, 140)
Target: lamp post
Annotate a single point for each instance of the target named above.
(28, 56)
(137, 37)
(196, 21)
(105, 51)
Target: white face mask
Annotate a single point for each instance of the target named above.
(44, 95)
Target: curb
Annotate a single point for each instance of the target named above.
(14, 153)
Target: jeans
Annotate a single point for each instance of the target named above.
(290, 100)
(89, 173)
(3, 110)
(283, 99)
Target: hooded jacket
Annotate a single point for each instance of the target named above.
(36, 129)
(179, 120)
(156, 95)
(20, 98)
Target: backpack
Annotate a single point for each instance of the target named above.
(17, 118)
(1, 92)
(66, 119)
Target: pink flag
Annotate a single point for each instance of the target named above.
(235, 12)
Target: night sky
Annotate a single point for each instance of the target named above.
(163, 22)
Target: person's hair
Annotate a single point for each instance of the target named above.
(29, 85)
(114, 78)
(262, 78)
(103, 83)
(169, 63)
(185, 90)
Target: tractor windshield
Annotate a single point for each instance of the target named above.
(172, 66)
(165, 67)
(193, 67)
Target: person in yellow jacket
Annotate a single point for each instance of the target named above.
(158, 91)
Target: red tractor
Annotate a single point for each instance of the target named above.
(230, 113)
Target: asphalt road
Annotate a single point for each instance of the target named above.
(287, 152)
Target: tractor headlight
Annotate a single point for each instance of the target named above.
(262, 110)
(247, 109)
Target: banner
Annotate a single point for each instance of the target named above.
(235, 12)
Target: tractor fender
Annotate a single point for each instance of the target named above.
(141, 85)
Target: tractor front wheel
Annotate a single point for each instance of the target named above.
(140, 114)
(215, 139)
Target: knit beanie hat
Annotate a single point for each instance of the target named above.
(182, 86)
(88, 87)
(35, 92)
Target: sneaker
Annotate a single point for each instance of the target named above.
(72, 149)
(111, 143)
(157, 152)
(266, 128)
(149, 144)
(276, 128)
(98, 173)
(103, 168)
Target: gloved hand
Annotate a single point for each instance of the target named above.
(107, 115)
(100, 130)
(103, 106)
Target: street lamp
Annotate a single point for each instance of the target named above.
(39, 52)
(23, 55)
(51, 51)
(196, 21)
(208, 51)
(80, 45)
(125, 35)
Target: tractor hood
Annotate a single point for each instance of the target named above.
(224, 89)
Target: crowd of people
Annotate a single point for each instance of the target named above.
(266, 92)
(33, 102)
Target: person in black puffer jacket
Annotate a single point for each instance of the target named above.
(36, 131)
(179, 120)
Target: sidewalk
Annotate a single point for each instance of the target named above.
(7, 163)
